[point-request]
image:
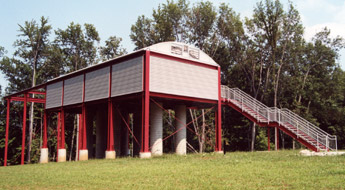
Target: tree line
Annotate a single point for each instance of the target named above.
(265, 55)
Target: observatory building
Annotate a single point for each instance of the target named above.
(144, 84)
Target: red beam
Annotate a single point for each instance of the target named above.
(24, 129)
(170, 96)
(36, 100)
(7, 128)
(37, 92)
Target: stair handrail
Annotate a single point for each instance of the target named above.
(312, 130)
(274, 114)
(252, 103)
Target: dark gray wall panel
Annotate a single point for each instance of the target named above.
(73, 90)
(127, 77)
(54, 95)
(97, 84)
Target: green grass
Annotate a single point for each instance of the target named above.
(239, 170)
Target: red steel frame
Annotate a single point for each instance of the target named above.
(146, 104)
(145, 107)
(110, 140)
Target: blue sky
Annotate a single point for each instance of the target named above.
(112, 17)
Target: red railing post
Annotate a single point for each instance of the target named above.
(7, 128)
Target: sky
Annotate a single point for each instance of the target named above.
(114, 17)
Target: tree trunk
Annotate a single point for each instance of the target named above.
(73, 134)
(202, 142)
(31, 116)
(253, 137)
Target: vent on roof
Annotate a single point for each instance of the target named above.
(176, 49)
(194, 53)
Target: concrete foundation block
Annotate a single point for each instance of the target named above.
(83, 155)
(110, 154)
(44, 156)
(62, 155)
(145, 155)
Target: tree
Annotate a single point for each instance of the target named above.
(112, 48)
(30, 55)
(77, 45)
(168, 24)
(201, 24)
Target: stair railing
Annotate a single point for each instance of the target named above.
(263, 113)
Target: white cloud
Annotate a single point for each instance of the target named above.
(337, 29)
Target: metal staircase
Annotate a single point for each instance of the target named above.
(292, 124)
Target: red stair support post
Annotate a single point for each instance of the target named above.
(218, 116)
(277, 138)
(268, 139)
(24, 129)
(7, 128)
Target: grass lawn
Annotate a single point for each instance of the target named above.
(238, 170)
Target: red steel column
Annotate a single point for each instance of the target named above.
(110, 143)
(24, 128)
(62, 115)
(44, 144)
(7, 128)
(219, 116)
(146, 104)
(268, 139)
(58, 136)
(84, 142)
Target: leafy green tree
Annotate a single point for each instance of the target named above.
(201, 24)
(77, 45)
(112, 48)
(168, 24)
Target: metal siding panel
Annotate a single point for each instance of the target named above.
(73, 90)
(127, 77)
(97, 84)
(54, 95)
(177, 78)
